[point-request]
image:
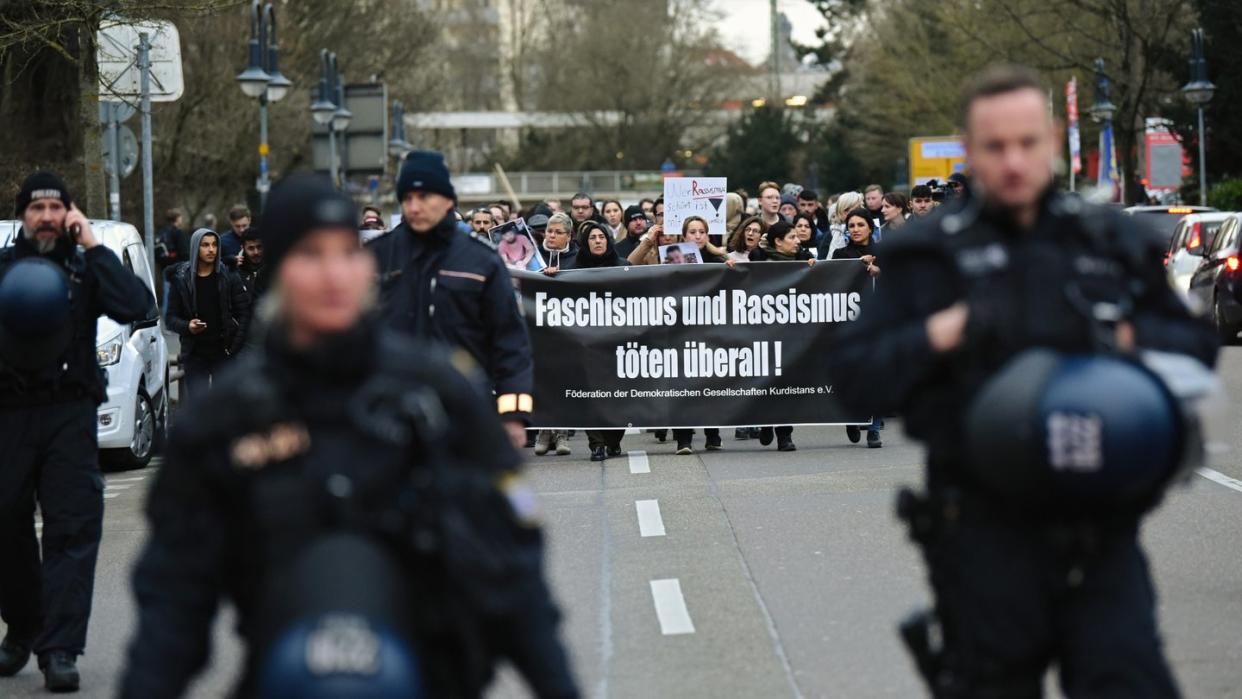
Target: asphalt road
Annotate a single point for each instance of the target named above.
(752, 573)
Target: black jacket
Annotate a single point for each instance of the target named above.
(235, 306)
(1020, 288)
(99, 285)
(447, 286)
(172, 247)
(255, 277)
(854, 251)
(235, 505)
(561, 259)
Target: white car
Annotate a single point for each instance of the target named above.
(1193, 235)
(134, 357)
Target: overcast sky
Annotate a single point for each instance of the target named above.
(746, 29)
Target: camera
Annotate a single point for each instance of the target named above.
(938, 190)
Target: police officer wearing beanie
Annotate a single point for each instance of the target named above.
(1023, 578)
(333, 510)
(50, 388)
(438, 284)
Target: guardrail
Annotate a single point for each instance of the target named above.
(564, 183)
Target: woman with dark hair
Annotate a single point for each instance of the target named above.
(860, 228)
(783, 245)
(745, 238)
(613, 213)
(895, 208)
(596, 250)
(804, 226)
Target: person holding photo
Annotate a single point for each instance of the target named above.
(859, 228)
(694, 230)
(648, 250)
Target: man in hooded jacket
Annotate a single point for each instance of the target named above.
(209, 307)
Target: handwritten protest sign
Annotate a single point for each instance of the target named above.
(696, 196)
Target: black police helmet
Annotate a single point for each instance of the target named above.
(1085, 434)
(341, 626)
(36, 327)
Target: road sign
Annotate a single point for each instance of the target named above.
(119, 77)
(129, 151)
(935, 158)
(120, 112)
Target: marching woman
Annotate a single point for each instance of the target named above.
(596, 250)
(694, 230)
(784, 245)
(745, 238)
(859, 228)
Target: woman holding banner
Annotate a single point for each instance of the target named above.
(694, 230)
(784, 245)
(860, 227)
(560, 250)
(837, 238)
(745, 238)
(596, 250)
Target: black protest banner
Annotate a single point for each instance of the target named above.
(690, 345)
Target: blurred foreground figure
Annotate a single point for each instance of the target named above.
(367, 555)
(1014, 329)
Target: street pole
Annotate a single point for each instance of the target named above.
(332, 156)
(114, 177)
(148, 194)
(263, 184)
(1203, 189)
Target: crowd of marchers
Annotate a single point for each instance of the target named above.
(782, 223)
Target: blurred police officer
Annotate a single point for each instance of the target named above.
(1012, 267)
(438, 284)
(48, 431)
(366, 554)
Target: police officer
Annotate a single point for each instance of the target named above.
(47, 427)
(1016, 266)
(335, 498)
(437, 283)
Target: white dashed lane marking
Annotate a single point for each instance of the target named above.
(649, 521)
(1218, 477)
(670, 607)
(639, 463)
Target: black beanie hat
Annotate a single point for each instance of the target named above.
(634, 212)
(41, 185)
(299, 204)
(424, 171)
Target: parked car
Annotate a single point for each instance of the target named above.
(1215, 284)
(132, 421)
(1194, 235)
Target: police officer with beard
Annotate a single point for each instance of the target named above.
(438, 284)
(366, 554)
(49, 392)
(1025, 578)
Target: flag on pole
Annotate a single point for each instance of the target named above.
(1075, 139)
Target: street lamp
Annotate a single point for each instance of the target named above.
(1199, 92)
(397, 145)
(329, 109)
(1102, 111)
(263, 80)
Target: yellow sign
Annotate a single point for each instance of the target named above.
(263, 149)
(935, 158)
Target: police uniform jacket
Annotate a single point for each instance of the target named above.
(99, 285)
(244, 492)
(454, 288)
(1024, 289)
